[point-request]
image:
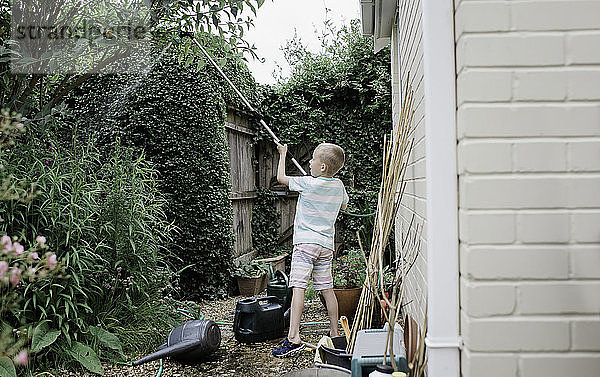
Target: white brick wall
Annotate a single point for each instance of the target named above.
(528, 125)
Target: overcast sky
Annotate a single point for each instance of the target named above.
(276, 22)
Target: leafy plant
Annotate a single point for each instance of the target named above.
(310, 293)
(18, 266)
(349, 271)
(107, 222)
(251, 269)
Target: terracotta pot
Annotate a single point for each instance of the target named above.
(347, 299)
(252, 286)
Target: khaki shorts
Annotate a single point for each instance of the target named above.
(309, 259)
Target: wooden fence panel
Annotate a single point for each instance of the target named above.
(245, 177)
(243, 186)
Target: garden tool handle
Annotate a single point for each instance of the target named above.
(242, 97)
(345, 327)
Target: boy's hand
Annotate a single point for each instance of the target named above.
(282, 148)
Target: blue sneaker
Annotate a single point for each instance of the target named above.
(287, 349)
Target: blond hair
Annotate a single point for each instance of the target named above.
(332, 155)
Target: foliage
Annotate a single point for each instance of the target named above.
(176, 116)
(310, 293)
(349, 271)
(109, 46)
(251, 269)
(342, 95)
(17, 265)
(107, 223)
(265, 222)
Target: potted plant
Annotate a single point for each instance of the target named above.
(276, 259)
(251, 277)
(349, 272)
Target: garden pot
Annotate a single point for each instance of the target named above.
(252, 286)
(347, 299)
(278, 262)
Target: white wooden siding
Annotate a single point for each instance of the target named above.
(407, 51)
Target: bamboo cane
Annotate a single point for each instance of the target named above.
(397, 149)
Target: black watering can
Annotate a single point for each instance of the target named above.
(278, 287)
(189, 342)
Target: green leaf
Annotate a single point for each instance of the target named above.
(106, 338)
(43, 336)
(7, 369)
(86, 357)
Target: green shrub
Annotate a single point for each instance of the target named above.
(107, 224)
(177, 116)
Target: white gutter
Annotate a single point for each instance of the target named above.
(443, 340)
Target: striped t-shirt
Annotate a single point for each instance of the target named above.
(318, 206)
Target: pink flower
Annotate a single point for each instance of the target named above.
(52, 261)
(3, 268)
(15, 276)
(41, 240)
(33, 256)
(19, 249)
(5, 240)
(21, 358)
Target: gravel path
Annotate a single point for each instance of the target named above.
(232, 358)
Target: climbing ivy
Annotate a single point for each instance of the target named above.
(176, 115)
(342, 95)
(265, 222)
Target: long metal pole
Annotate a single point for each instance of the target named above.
(243, 98)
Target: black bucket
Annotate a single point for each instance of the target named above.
(337, 356)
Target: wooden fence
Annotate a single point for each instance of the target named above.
(243, 186)
(256, 166)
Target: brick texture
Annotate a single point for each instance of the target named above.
(528, 127)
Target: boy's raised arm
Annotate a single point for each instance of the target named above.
(281, 177)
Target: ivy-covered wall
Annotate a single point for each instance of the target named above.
(341, 95)
(176, 116)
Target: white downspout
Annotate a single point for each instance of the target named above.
(443, 340)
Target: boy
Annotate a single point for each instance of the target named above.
(321, 198)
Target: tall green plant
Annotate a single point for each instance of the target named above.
(108, 224)
(18, 266)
